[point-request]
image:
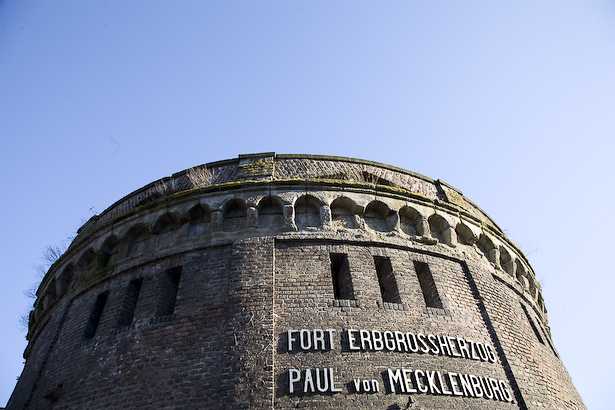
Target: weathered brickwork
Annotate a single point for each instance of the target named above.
(285, 281)
(460, 315)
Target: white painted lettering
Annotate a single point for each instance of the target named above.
(365, 340)
(291, 339)
(451, 344)
(443, 384)
(474, 356)
(432, 341)
(352, 340)
(491, 352)
(478, 391)
(330, 333)
(308, 382)
(394, 380)
(421, 338)
(319, 339)
(322, 385)
(454, 384)
(420, 386)
(463, 348)
(305, 339)
(496, 389)
(400, 338)
(377, 339)
(389, 340)
(505, 391)
(293, 376)
(486, 387)
(412, 343)
(407, 380)
(431, 380)
(366, 385)
(443, 342)
(331, 379)
(466, 385)
(482, 352)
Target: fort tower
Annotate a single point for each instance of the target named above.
(284, 281)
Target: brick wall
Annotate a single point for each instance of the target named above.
(167, 307)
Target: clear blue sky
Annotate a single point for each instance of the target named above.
(511, 102)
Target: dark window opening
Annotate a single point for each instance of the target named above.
(386, 280)
(428, 286)
(127, 310)
(168, 292)
(342, 281)
(95, 315)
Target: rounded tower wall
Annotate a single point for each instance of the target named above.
(242, 281)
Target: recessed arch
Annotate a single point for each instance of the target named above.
(485, 244)
(307, 212)
(541, 302)
(137, 233)
(438, 227)
(166, 223)
(270, 212)
(108, 248)
(533, 289)
(110, 245)
(199, 213)
(342, 213)
(410, 221)
(234, 212)
(465, 236)
(86, 261)
(378, 216)
(506, 261)
(521, 275)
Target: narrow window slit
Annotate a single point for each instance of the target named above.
(428, 286)
(95, 315)
(342, 281)
(168, 292)
(127, 311)
(386, 280)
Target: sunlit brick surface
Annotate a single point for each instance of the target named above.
(285, 281)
